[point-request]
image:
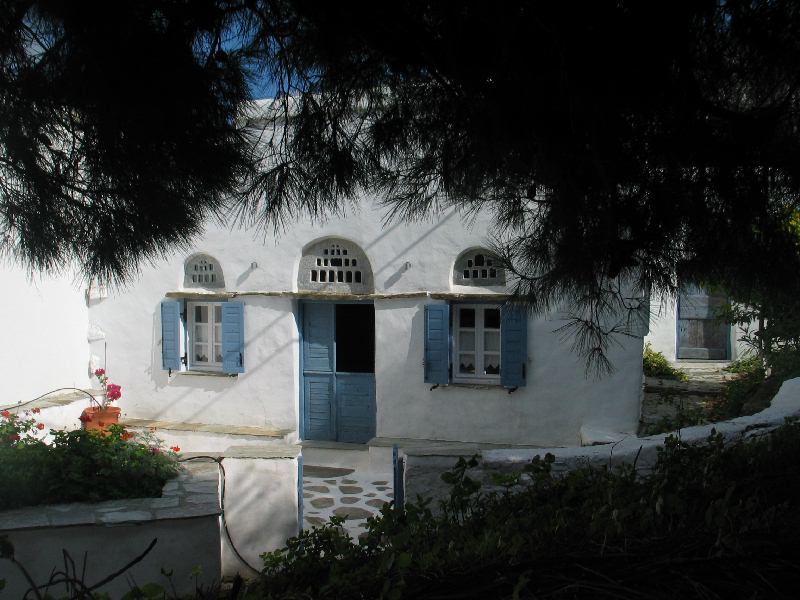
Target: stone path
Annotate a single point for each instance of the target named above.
(353, 495)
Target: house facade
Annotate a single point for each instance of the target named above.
(349, 331)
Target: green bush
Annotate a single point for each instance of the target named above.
(710, 521)
(656, 364)
(78, 466)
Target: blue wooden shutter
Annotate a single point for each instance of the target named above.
(171, 335)
(513, 346)
(232, 337)
(437, 343)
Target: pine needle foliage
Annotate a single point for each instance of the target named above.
(622, 148)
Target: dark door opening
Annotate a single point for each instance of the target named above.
(355, 338)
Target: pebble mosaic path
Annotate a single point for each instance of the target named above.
(353, 495)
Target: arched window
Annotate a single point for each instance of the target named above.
(479, 267)
(335, 265)
(203, 271)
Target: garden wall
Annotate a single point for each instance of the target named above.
(108, 535)
(423, 467)
(261, 504)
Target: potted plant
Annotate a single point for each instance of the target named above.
(101, 415)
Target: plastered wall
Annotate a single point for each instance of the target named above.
(44, 324)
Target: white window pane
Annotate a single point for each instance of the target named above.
(466, 363)
(218, 353)
(201, 314)
(491, 318)
(466, 341)
(200, 353)
(218, 313)
(200, 333)
(491, 341)
(491, 365)
(466, 318)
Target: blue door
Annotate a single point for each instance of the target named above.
(338, 372)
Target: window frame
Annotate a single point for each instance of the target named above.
(211, 366)
(479, 330)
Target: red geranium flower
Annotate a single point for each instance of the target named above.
(6, 414)
(175, 448)
(113, 391)
(40, 426)
(99, 372)
(36, 411)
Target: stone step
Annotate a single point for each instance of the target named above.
(205, 437)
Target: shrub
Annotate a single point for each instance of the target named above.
(710, 521)
(655, 364)
(78, 466)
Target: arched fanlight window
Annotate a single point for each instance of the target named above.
(203, 271)
(335, 265)
(479, 267)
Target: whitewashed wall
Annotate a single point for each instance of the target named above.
(414, 258)
(44, 322)
(556, 402)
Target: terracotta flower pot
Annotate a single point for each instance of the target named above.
(95, 418)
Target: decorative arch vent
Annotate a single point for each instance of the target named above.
(202, 270)
(335, 265)
(478, 267)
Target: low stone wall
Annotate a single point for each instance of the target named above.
(665, 399)
(104, 537)
(423, 467)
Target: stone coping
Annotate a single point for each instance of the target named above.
(269, 432)
(193, 494)
(417, 447)
(422, 476)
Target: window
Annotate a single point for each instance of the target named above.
(476, 340)
(205, 335)
(335, 265)
(203, 271)
(475, 343)
(478, 267)
(202, 336)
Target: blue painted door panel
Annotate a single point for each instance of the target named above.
(319, 407)
(355, 403)
(318, 350)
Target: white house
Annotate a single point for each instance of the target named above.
(44, 321)
(349, 331)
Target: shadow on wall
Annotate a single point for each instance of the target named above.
(405, 250)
